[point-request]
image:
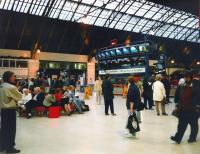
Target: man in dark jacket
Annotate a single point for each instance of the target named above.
(107, 89)
(187, 106)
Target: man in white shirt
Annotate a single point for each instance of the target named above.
(159, 94)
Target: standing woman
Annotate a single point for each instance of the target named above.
(9, 97)
(107, 89)
(98, 90)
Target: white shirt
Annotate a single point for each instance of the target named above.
(25, 99)
(158, 91)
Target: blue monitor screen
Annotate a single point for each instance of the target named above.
(118, 52)
(126, 51)
(107, 54)
(113, 53)
(133, 50)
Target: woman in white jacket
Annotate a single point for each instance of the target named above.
(159, 94)
(98, 89)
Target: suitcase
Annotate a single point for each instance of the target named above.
(54, 112)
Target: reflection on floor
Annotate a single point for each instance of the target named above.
(95, 133)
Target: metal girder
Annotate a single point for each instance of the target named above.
(22, 32)
(49, 37)
(122, 14)
(46, 8)
(140, 18)
(38, 6)
(111, 15)
(143, 15)
(53, 7)
(21, 6)
(195, 36)
(4, 4)
(187, 32)
(153, 26)
(186, 26)
(79, 2)
(150, 18)
(61, 9)
(12, 6)
(125, 2)
(29, 9)
(175, 28)
(49, 8)
(17, 5)
(132, 16)
(42, 5)
(88, 12)
(102, 7)
(164, 22)
(6, 31)
(33, 8)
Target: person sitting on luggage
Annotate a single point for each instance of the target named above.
(72, 98)
(50, 99)
(63, 102)
(36, 101)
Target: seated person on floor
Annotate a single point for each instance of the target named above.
(79, 103)
(50, 99)
(37, 100)
(62, 101)
(26, 96)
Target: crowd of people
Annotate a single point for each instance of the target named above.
(24, 96)
(156, 92)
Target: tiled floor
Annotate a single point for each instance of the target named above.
(95, 133)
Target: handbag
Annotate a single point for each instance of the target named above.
(176, 111)
(141, 106)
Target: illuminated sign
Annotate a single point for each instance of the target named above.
(123, 71)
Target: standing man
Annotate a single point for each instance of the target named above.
(167, 86)
(107, 89)
(187, 97)
(98, 89)
(9, 97)
(159, 94)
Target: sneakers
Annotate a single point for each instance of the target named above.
(165, 114)
(175, 140)
(113, 114)
(13, 150)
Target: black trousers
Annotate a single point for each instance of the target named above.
(109, 103)
(184, 120)
(8, 129)
(150, 102)
(32, 104)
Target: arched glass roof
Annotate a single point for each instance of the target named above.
(140, 16)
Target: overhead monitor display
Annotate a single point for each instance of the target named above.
(133, 49)
(112, 52)
(103, 55)
(126, 51)
(107, 54)
(118, 52)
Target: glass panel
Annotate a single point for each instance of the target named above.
(5, 63)
(12, 63)
(21, 64)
